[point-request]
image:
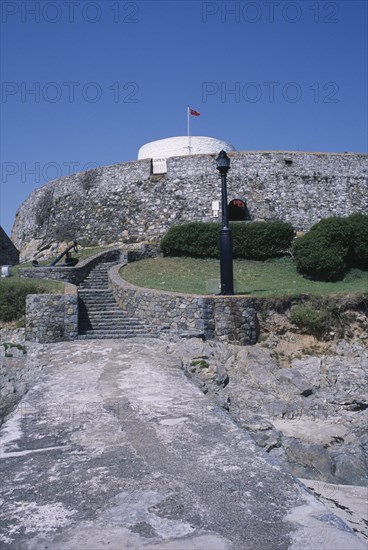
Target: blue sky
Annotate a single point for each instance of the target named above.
(109, 76)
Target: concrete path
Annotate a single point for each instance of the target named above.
(114, 448)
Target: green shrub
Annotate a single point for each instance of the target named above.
(316, 258)
(200, 363)
(311, 320)
(336, 231)
(332, 245)
(358, 251)
(13, 294)
(261, 240)
(195, 239)
(255, 240)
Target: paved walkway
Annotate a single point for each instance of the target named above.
(114, 448)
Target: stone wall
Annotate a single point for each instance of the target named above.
(74, 275)
(52, 317)
(126, 203)
(228, 318)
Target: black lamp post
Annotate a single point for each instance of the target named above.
(226, 252)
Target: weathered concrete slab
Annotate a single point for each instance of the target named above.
(115, 448)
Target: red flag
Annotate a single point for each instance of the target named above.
(193, 112)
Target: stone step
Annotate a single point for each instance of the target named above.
(103, 317)
(91, 279)
(110, 303)
(114, 333)
(99, 297)
(94, 287)
(110, 318)
(109, 308)
(95, 276)
(95, 280)
(99, 314)
(114, 310)
(96, 294)
(102, 313)
(109, 324)
(100, 276)
(108, 300)
(116, 336)
(88, 284)
(109, 330)
(97, 291)
(83, 327)
(100, 273)
(103, 305)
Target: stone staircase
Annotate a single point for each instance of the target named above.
(99, 314)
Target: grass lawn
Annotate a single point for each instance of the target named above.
(277, 277)
(34, 285)
(13, 293)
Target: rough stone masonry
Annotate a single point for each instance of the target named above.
(126, 202)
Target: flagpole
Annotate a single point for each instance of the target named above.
(188, 130)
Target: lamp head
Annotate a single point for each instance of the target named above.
(223, 162)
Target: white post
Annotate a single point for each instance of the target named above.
(189, 144)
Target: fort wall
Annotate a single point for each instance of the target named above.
(128, 203)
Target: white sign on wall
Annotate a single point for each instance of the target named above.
(215, 208)
(159, 165)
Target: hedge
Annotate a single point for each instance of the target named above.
(316, 258)
(252, 240)
(358, 250)
(332, 246)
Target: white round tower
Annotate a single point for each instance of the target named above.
(183, 145)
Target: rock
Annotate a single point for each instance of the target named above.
(294, 377)
(222, 377)
(350, 465)
(18, 371)
(308, 458)
(310, 416)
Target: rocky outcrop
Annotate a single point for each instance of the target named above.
(18, 370)
(306, 407)
(9, 255)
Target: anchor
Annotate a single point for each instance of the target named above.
(69, 260)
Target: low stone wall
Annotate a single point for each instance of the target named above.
(74, 275)
(228, 318)
(52, 317)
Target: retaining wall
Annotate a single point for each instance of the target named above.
(52, 317)
(229, 318)
(74, 275)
